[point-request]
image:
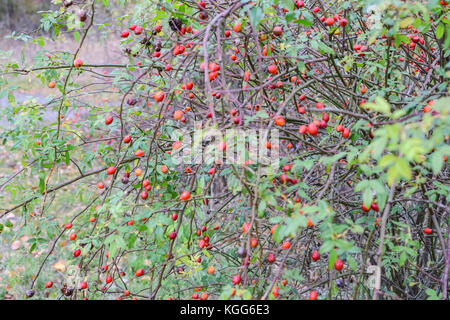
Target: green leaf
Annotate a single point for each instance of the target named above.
(278, 234)
(437, 161)
(432, 295)
(333, 159)
(402, 259)
(113, 249)
(440, 31)
(41, 182)
(367, 198)
(399, 38)
(352, 262)
(256, 14)
(332, 259)
(327, 246)
(403, 168)
(400, 169)
(387, 160)
(380, 105)
(308, 17)
(288, 4)
(76, 35)
(362, 185)
(306, 23)
(325, 49)
(11, 99)
(290, 16)
(67, 158)
(33, 246)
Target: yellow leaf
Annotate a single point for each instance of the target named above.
(406, 22)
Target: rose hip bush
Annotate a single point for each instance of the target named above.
(356, 208)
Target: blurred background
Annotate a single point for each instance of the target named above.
(21, 15)
(20, 22)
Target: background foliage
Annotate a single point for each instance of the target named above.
(358, 89)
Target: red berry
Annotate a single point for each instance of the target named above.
(77, 252)
(343, 22)
(303, 129)
(77, 63)
(222, 146)
(273, 69)
(286, 245)
(185, 196)
(313, 295)
(374, 206)
(284, 178)
(139, 153)
(338, 265)
(345, 133)
(329, 21)
(109, 120)
(139, 272)
(253, 242)
(312, 129)
(172, 235)
(316, 255)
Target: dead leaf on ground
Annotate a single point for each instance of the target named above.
(60, 266)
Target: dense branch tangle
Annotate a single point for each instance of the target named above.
(334, 81)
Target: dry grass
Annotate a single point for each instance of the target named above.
(94, 51)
